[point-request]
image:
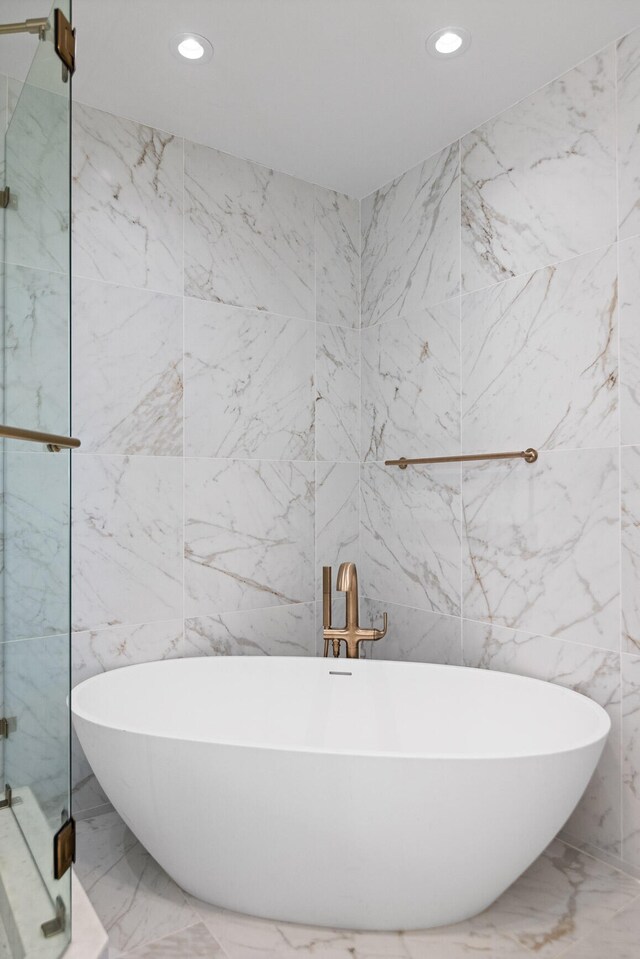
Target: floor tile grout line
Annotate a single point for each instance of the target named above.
(152, 942)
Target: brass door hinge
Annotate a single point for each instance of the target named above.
(54, 926)
(9, 799)
(8, 725)
(64, 848)
(5, 198)
(65, 40)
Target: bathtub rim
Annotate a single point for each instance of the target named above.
(604, 720)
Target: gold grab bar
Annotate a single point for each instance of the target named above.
(38, 25)
(53, 442)
(529, 456)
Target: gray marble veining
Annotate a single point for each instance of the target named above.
(414, 635)
(411, 240)
(411, 385)
(629, 258)
(630, 555)
(541, 545)
(337, 516)
(277, 631)
(540, 359)
(127, 381)
(631, 759)
(539, 180)
(249, 383)
(248, 535)
(410, 536)
(337, 237)
(248, 234)
(127, 212)
(127, 527)
(628, 86)
(338, 393)
(594, 673)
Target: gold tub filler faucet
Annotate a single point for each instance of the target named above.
(351, 635)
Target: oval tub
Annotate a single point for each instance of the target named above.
(357, 794)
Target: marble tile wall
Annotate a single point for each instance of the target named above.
(501, 310)
(216, 393)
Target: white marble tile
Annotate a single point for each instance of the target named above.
(127, 371)
(127, 540)
(248, 535)
(88, 795)
(629, 256)
(277, 631)
(411, 385)
(127, 202)
(539, 180)
(248, 234)
(630, 556)
(37, 171)
(36, 545)
(36, 350)
(338, 393)
(337, 515)
(631, 759)
(540, 359)
(414, 635)
(628, 66)
(594, 673)
(249, 383)
(411, 240)
(541, 545)
(337, 259)
(99, 650)
(410, 536)
(194, 942)
(616, 939)
(136, 901)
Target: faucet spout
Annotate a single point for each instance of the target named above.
(352, 635)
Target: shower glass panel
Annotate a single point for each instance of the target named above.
(35, 581)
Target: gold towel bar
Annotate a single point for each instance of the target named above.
(53, 442)
(529, 456)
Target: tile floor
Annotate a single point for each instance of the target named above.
(567, 904)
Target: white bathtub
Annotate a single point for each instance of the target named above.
(366, 795)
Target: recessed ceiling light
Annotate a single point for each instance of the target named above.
(191, 46)
(448, 42)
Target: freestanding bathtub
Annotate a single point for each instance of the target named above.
(358, 794)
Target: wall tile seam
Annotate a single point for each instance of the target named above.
(412, 314)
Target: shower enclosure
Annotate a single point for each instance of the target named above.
(36, 831)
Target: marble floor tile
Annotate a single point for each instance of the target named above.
(628, 63)
(411, 385)
(248, 234)
(411, 240)
(194, 942)
(127, 189)
(565, 900)
(617, 939)
(552, 335)
(249, 383)
(410, 545)
(127, 371)
(338, 393)
(541, 545)
(337, 259)
(248, 535)
(539, 180)
(135, 899)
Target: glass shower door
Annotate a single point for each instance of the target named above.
(35, 906)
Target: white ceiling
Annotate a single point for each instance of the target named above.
(339, 92)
